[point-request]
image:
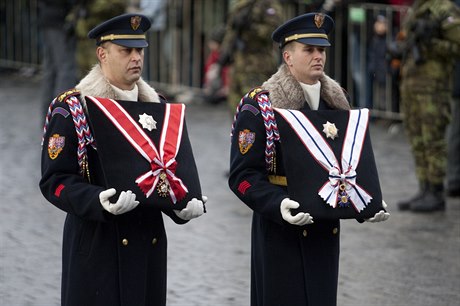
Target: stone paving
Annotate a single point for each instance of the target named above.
(410, 260)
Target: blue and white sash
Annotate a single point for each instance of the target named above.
(341, 188)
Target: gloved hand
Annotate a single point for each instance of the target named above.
(300, 218)
(381, 215)
(126, 201)
(194, 209)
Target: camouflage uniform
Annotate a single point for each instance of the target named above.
(433, 29)
(253, 57)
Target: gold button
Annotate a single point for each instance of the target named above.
(154, 241)
(335, 230)
(124, 241)
(305, 233)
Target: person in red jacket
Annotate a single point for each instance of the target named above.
(216, 78)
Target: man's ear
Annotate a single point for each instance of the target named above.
(101, 53)
(287, 57)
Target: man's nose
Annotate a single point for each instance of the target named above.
(317, 54)
(136, 55)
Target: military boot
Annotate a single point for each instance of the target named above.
(433, 200)
(405, 205)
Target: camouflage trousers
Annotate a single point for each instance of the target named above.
(426, 115)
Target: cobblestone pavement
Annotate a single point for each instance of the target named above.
(410, 260)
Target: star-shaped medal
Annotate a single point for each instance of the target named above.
(330, 130)
(147, 122)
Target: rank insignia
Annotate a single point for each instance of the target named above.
(63, 96)
(254, 92)
(251, 108)
(55, 145)
(60, 111)
(147, 122)
(246, 139)
(330, 130)
(243, 186)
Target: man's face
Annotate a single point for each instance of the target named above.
(122, 66)
(305, 62)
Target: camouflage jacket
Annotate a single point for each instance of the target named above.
(433, 30)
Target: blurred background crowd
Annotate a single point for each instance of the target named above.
(187, 39)
(206, 51)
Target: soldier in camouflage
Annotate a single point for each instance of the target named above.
(252, 57)
(432, 43)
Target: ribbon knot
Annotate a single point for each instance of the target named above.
(341, 184)
(163, 178)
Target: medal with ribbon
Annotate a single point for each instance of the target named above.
(163, 164)
(341, 188)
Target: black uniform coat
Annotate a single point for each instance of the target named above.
(106, 259)
(290, 265)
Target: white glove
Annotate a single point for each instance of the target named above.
(381, 215)
(194, 209)
(126, 201)
(300, 218)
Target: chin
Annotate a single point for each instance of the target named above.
(135, 77)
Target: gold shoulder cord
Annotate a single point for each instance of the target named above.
(273, 163)
(85, 168)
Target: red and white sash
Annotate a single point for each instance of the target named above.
(162, 160)
(342, 177)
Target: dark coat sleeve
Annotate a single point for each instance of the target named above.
(61, 184)
(248, 174)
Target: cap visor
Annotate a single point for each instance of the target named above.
(131, 43)
(315, 42)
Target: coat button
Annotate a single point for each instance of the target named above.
(335, 231)
(124, 242)
(154, 241)
(305, 233)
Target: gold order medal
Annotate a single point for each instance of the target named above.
(343, 196)
(163, 186)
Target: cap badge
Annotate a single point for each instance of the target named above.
(147, 122)
(330, 130)
(319, 20)
(135, 22)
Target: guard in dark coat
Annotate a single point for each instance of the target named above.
(114, 250)
(294, 260)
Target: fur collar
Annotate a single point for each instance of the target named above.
(95, 84)
(286, 92)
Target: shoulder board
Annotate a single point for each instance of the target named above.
(69, 93)
(253, 93)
